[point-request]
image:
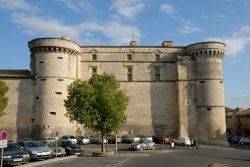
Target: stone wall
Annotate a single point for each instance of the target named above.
(18, 118)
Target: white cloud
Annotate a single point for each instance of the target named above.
(117, 34)
(78, 5)
(167, 9)
(128, 8)
(237, 42)
(18, 5)
(240, 101)
(189, 28)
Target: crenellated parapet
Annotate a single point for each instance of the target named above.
(206, 50)
(51, 49)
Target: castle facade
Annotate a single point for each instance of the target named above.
(173, 90)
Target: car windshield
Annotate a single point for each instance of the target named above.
(71, 137)
(12, 147)
(33, 144)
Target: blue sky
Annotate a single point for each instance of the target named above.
(110, 22)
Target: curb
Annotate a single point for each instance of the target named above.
(31, 164)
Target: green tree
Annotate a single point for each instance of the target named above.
(3, 99)
(98, 104)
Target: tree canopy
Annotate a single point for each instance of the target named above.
(98, 104)
(3, 99)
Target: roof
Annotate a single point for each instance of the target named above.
(245, 112)
(15, 74)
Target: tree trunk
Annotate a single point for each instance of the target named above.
(102, 143)
(106, 143)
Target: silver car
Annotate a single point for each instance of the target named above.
(145, 145)
(37, 149)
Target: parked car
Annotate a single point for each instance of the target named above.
(244, 141)
(83, 140)
(97, 140)
(160, 139)
(14, 154)
(130, 139)
(37, 149)
(48, 139)
(145, 145)
(143, 138)
(112, 139)
(182, 141)
(236, 139)
(68, 138)
(71, 147)
(56, 149)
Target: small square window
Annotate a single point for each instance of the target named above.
(129, 57)
(157, 57)
(94, 57)
(209, 109)
(94, 70)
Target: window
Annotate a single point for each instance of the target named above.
(209, 109)
(94, 70)
(43, 79)
(202, 81)
(129, 73)
(41, 62)
(59, 93)
(157, 57)
(157, 74)
(37, 97)
(52, 113)
(60, 79)
(59, 57)
(94, 57)
(129, 57)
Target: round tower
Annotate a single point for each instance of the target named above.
(211, 124)
(54, 64)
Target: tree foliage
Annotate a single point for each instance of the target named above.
(97, 104)
(3, 99)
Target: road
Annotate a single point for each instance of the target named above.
(179, 157)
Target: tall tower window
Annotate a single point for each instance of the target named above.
(129, 57)
(94, 57)
(129, 73)
(157, 57)
(94, 70)
(157, 74)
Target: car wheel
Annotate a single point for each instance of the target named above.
(153, 147)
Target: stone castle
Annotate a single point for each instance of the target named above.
(173, 90)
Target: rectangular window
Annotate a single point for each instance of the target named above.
(41, 62)
(94, 57)
(60, 79)
(59, 57)
(202, 81)
(43, 79)
(94, 70)
(157, 57)
(129, 57)
(59, 93)
(130, 74)
(52, 113)
(157, 74)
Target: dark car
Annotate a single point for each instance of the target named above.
(71, 148)
(14, 154)
(160, 138)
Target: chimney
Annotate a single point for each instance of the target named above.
(133, 43)
(167, 43)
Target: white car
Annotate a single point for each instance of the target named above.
(83, 140)
(244, 140)
(182, 141)
(69, 138)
